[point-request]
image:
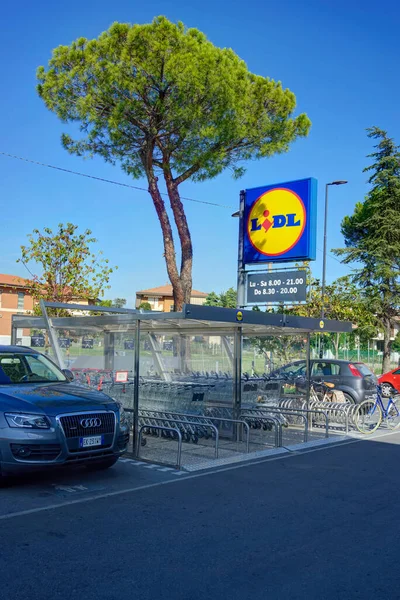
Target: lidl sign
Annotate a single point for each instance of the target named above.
(280, 222)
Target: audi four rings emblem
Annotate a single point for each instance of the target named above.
(93, 422)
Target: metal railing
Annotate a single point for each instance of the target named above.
(284, 412)
(263, 420)
(174, 422)
(206, 419)
(162, 428)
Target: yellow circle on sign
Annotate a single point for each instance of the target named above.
(321, 324)
(239, 315)
(276, 221)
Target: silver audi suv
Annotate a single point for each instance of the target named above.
(47, 420)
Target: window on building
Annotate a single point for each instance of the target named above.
(21, 300)
(172, 308)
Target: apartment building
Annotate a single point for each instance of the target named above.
(15, 299)
(161, 298)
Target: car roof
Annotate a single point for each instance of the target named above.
(18, 349)
(326, 360)
(337, 360)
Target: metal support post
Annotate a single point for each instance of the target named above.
(156, 352)
(52, 336)
(227, 346)
(136, 390)
(308, 374)
(237, 373)
(13, 335)
(109, 350)
(241, 272)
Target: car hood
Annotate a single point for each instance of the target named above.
(53, 399)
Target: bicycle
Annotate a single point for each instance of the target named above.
(326, 395)
(369, 414)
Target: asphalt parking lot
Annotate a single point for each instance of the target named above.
(308, 525)
(56, 487)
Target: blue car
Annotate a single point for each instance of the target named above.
(47, 420)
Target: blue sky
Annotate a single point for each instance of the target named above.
(339, 59)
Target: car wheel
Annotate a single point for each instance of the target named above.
(387, 390)
(349, 398)
(100, 465)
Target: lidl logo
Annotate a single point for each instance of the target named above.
(276, 221)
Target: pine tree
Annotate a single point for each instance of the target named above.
(372, 237)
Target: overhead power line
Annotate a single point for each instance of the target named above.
(127, 185)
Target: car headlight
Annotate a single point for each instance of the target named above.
(29, 421)
(122, 414)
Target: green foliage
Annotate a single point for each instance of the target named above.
(163, 88)
(145, 306)
(106, 303)
(372, 237)
(67, 270)
(161, 100)
(224, 299)
(396, 343)
(117, 303)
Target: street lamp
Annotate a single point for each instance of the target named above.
(339, 182)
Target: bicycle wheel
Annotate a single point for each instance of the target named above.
(367, 416)
(393, 416)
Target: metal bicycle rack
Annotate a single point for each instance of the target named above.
(258, 415)
(190, 429)
(211, 420)
(337, 412)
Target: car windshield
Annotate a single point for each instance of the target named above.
(27, 368)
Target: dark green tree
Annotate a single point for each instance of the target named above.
(117, 303)
(224, 299)
(372, 237)
(163, 101)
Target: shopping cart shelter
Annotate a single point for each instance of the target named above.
(203, 386)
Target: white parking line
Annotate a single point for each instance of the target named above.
(172, 481)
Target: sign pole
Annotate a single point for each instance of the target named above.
(241, 273)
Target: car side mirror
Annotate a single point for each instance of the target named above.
(68, 374)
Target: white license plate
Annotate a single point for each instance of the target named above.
(86, 442)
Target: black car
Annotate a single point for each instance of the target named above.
(354, 379)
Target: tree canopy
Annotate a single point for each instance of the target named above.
(161, 100)
(63, 266)
(224, 299)
(372, 237)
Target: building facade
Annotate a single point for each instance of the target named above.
(15, 299)
(161, 298)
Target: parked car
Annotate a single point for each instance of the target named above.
(354, 379)
(390, 382)
(47, 419)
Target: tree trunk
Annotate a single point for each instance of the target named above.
(387, 346)
(169, 246)
(184, 238)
